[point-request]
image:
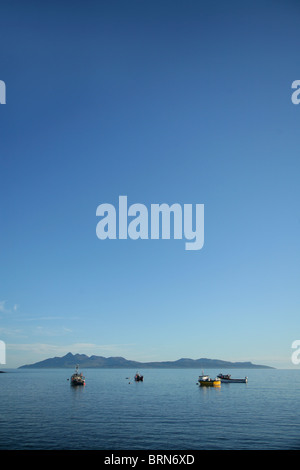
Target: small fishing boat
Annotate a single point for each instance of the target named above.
(206, 381)
(77, 378)
(210, 382)
(138, 377)
(227, 379)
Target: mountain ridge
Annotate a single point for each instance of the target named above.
(101, 362)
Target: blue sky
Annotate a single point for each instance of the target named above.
(165, 102)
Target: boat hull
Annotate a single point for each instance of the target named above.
(210, 383)
(237, 381)
(74, 383)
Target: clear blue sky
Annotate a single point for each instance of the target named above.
(162, 101)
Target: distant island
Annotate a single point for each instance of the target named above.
(70, 360)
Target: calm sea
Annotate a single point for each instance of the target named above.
(168, 411)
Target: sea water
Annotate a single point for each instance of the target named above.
(40, 410)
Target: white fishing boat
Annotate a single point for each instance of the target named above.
(227, 379)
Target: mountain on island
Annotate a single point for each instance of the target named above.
(70, 360)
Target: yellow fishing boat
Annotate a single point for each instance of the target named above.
(206, 381)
